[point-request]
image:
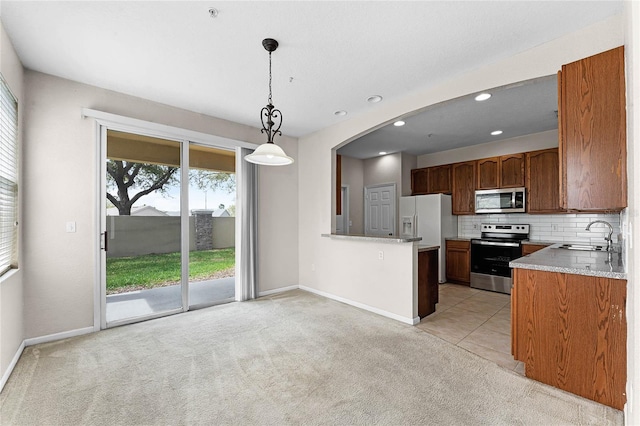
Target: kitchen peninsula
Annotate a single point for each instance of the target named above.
(416, 296)
(568, 321)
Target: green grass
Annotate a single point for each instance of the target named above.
(158, 269)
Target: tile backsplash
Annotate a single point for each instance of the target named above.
(548, 228)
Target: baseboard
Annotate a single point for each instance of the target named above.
(277, 290)
(410, 321)
(12, 365)
(58, 336)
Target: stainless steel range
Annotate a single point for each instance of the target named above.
(491, 253)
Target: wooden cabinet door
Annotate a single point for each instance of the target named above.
(488, 173)
(439, 179)
(570, 331)
(511, 171)
(458, 261)
(419, 181)
(427, 282)
(593, 133)
(463, 188)
(543, 181)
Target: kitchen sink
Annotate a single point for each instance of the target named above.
(583, 247)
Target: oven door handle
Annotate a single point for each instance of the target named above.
(494, 243)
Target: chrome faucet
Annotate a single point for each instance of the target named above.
(608, 239)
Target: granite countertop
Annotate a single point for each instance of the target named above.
(424, 247)
(591, 263)
(381, 239)
(540, 243)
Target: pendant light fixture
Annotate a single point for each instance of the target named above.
(270, 154)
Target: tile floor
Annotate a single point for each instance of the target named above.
(476, 320)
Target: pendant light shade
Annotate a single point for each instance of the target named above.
(270, 154)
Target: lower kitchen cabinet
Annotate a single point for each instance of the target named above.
(458, 261)
(427, 282)
(570, 332)
(532, 248)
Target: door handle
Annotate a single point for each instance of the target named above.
(103, 246)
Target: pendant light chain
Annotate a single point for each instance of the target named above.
(270, 99)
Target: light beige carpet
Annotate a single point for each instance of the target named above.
(293, 358)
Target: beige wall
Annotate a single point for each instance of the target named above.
(525, 143)
(383, 169)
(278, 221)
(12, 283)
(60, 178)
(353, 175)
(315, 152)
(409, 162)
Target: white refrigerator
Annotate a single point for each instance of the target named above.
(429, 217)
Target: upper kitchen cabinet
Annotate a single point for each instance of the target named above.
(439, 179)
(512, 171)
(542, 181)
(464, 186)
(506, 171)
(488, 173)
(592, 133)
(419, 182)
(431, 180)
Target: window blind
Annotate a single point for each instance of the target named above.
(8, 178)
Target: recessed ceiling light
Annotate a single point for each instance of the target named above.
(399, 123)
(374, 99)
(496, 132)
(382, 153)
(340, 113)
(483, 97)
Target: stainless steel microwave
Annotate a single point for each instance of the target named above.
(506, 200)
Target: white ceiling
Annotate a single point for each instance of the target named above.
(522, 108)
(332, 55)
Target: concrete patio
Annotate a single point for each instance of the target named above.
(146, 302)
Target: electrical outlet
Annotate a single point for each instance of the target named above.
(554, 227)
(475, 226)
(313, 267)
(381, 255)
(70, 227)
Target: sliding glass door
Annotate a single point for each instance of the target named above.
(142, 232)
(212, 201)
(168, 241)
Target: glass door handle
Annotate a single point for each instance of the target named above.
(103, 246)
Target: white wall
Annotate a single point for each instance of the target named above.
(12, 283)
(60, 180)
(532, 142)
(632, 59)
(316, 190)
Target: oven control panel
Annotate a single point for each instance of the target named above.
(505, 228)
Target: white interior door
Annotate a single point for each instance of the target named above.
(380, 210)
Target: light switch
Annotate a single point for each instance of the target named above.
(71, 227)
